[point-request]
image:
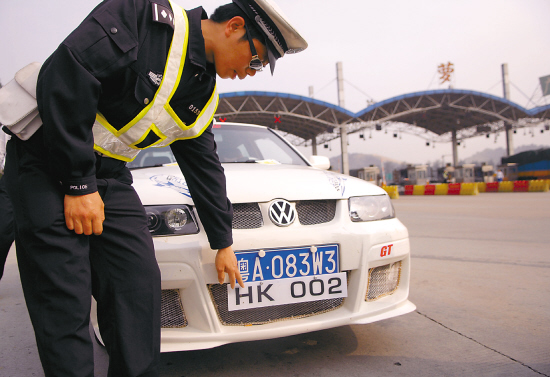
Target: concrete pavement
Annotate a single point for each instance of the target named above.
(480, 280)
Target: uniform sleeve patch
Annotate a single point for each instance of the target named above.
(156, 78)
(163, 15)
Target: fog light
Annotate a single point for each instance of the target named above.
(175, 218)
(170, 220)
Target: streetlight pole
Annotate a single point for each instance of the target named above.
(343, 127)
(507, 126)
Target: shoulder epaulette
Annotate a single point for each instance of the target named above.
(163, 15)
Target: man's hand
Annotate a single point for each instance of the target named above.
(85, 213)
(226, 261)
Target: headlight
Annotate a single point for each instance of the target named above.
(170, 220)
(370, 208)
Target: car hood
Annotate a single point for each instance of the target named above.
(253, 182)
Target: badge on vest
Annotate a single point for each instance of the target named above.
(163, 15)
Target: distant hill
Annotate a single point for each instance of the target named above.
(494, 156)
(488, 156)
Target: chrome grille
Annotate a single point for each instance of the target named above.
(172, 314)
(383, 281)
(260, 316)
(311, 212)
(247, 216)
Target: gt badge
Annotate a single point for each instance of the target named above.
(163, 15)
(386, 250)
(282, 213)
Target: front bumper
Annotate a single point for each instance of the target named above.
(187, 267)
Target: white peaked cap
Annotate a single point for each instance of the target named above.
(280, 36)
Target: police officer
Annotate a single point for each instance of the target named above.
(135, 74)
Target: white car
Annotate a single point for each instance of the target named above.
(316, 249)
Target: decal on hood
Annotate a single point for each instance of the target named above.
(337, 181)
(172, 182)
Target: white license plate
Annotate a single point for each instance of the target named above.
(265, 293)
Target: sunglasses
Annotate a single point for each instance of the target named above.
(255, 64)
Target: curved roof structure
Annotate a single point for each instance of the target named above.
(541, 112)
(442, 111)
(300, 116)
(432, 114)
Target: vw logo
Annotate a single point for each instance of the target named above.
(282, 213)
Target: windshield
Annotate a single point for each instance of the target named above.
(236, 144)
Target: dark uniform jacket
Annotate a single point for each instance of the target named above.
(112, 64)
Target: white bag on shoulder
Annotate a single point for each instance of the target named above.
(18, 108)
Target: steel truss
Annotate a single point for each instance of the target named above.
(432, 115)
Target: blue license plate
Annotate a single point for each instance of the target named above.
(274, 264)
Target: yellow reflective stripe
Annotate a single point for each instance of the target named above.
(105, 123)
(182, 62)
(156, 131)
(148, 107)
(137, 118)
(215, 97)
(112, 155)
(158, 116)
(206, 108)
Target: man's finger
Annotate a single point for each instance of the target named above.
(240, 279)
(69, 222)
(97, 226)
(231, 275)
(78, 227)
(87, 227)
(221, 276)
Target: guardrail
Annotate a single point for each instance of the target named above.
(442, 189)
(392, 191)
(540, 185)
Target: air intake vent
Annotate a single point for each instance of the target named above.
(172, 314)
(247, 216)
(311, 212)
(383, 281)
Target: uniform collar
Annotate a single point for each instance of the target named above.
(196, 51)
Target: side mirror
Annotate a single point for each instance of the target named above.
(320, 162)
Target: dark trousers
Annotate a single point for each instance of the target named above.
(6, 225)
(60, 270)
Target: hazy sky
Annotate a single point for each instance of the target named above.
(387, 47)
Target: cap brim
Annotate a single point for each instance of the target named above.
(293, 39)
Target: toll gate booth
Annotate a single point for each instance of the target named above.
(510, 171)
(485, 173)
(465, 173)
(400, 177)
(418, 175)
(446, 174)
(369, 173)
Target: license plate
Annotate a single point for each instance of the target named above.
(274, 264)
(285, 276)
(266, 293)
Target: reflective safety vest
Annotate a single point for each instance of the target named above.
(157, 125)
